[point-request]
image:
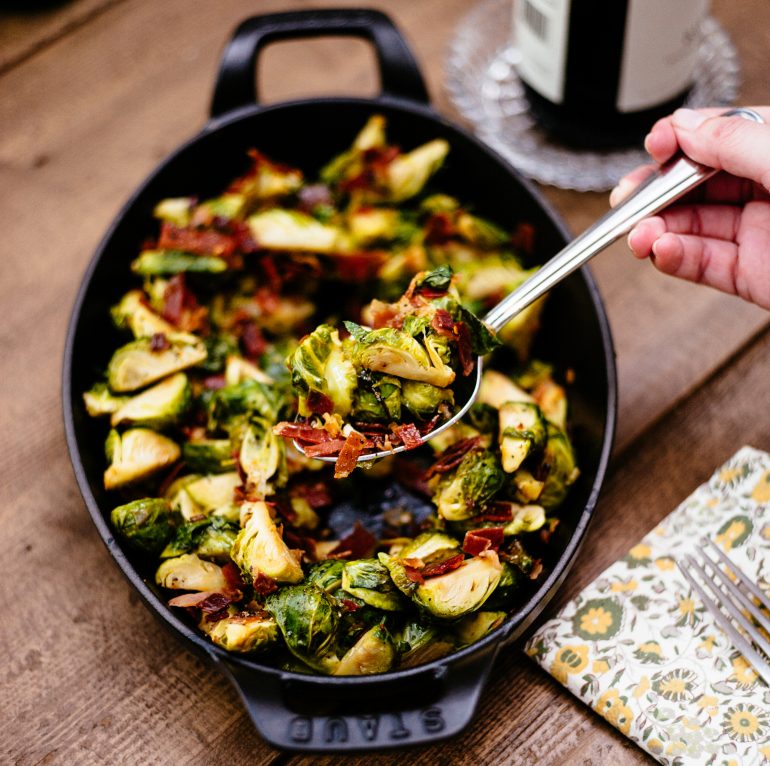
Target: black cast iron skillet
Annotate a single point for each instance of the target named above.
(429, 702)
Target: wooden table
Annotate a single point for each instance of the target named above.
(92, 95)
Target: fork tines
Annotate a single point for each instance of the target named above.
(729, 603)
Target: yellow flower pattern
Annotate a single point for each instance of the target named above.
(638, 646)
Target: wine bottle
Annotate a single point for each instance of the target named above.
(599, 73)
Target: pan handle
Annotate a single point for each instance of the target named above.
(236, 84)
(370, 716)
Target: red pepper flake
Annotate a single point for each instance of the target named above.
(264, 585)
(479, 540)
(353, 446)
(442, 567)
(159, 342)
(319, 403)
(452, 456)
(358, 544)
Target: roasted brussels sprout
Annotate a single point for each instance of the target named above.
(133, 313)
(429, 545)
(408, 173)
(101, 401)
(176, 210)
(229, 404)
(278, 229)
(423, 399)
(327, 575)
(377, 398)
(510, 581)
(137, 454)
(146, 525)
(210, 538)
(209, 455)
(419, 643)
(160, 406)
(525, 487)
(522, 431)
(372, 653)
(189, 572)
(154, 262)
(215, 493)
(526, 518)
(473, 627)
(137, 364)
(461, 591)
(497, 389)
(259, 548)
(368, 580)
(349, 164)
(559, 462)
(242, 632)
(308, 619)
(462, 493)
(262, 458)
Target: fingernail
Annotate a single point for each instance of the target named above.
(647, 143)
(620, 192)
(687, 119)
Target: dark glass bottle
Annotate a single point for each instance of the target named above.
(599, 73)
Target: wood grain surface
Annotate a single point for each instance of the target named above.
(92, 95)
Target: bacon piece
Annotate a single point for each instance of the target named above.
(331, 447)
(358, 544)
(411, 476)
(207, 601)
(409, 435)
(159, 342)
(479, 540)
(523, 238)
(264, 585)
(358, 267)
(233, 576)
(439, 228)
(350, 606)
(315, 493)
(196, 241)
(346, 461)
(500, 510)
(443, 323)
(252, 340)
(452, 456)
(442, 567)
(464, 347)
(319, 403)
(301, 432)
(384, 315)
(180, 306)
(413, 574)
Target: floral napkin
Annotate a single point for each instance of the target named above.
(638, 646)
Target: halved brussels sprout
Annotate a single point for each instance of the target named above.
(146, 525)
(137, 454)
(462, 590)
(209, 455)
(213, 493)
(176, 210)
(419, 643)
(231, 206)
(305, 516)
(320, 364)
(474, 627)
(482, 233)
(369, 224)
(368, 580)
(308, 619)
(159, 406)
(189, 572)
(136, 364)
(408, 173)
(506, 590)
(552, 399)
(277, 229)
(526, 518)
(462, 494)
(349, 163)
(242, 632)
(519, 333)
(561, 468)
(262, 458)
(267, 180)
(238, 369)
(101, 401)
(423, 400)
(397, 573)
(176, 494)
(210, 538)
(428, 546)
(372, 653)
(260, 548)
(526, 488)
(378, 398)
(522, 431)
(397, 353)
(497, 389)
(327, 575)
(134, 314)
(158, 262)
(230, 405)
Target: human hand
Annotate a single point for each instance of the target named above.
(719, 234)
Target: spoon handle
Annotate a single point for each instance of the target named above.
(667, 184)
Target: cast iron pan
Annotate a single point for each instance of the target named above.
(432, 701)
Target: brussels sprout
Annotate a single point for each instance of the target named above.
(133, 313)
(562, 471)
(304, 515)
(369, 224)
(408, 173)
(522, 432)
(455, 433)
(526, 488)
(397, 573)
(319, 364)
(439, 203)
(423, 400)
(101, 401)
(483, 279)
(419, 643)
(159, 406)
(377, 398)
(368, 580)
(484, 418)
(526, 518)
(259, 548)
(519, 333)
(176, 494)
(210, 538)
(144, 524)
(176, 210)
(428, 546)
(327, 575)
(230, 206)
(397, 353)
(552, 399)
(503, 595)
(213, 493)
(152, 262)
(245, 399)
(474, 627)
(267, 180)
(262, 458)
(209, 455)
(461, 591)
(219, 347)
(308, 620)
(461, 494)
(188, 572)
(481, 232)
(136, 364)
(137, 454)
(242, 632)
(238, 369)
(497, 389)
(372, 653)
(277, 229)
(349, 163)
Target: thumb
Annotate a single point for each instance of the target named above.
(736, 145)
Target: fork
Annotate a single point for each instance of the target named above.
(733, 600)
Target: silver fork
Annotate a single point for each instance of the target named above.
(733, 600)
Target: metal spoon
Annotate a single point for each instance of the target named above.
(662, 187)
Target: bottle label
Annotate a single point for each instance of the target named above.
(542, 30)
(659, 52)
